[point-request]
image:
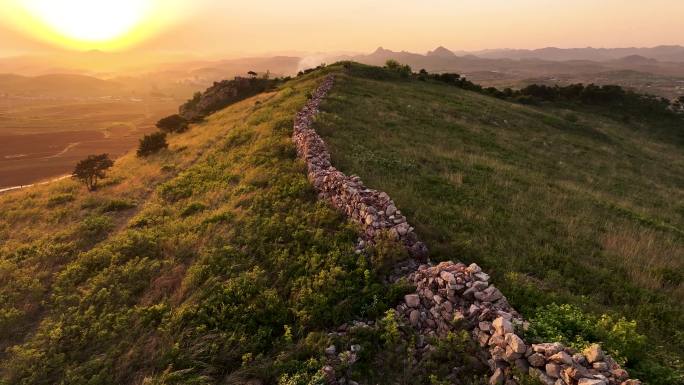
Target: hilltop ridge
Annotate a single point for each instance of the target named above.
(215, 261)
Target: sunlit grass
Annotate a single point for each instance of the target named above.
(585, 210)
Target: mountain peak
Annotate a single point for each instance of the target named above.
(381, 50)
(440, 51)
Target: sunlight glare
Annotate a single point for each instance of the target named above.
(89, 20)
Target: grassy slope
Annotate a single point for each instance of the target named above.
(561, 206)
(224, 270)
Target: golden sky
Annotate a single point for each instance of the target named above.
(263, 26)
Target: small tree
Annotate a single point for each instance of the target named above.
(403, 70)
(252, 74)
(91, 169)
(173, 123)
(151, 144)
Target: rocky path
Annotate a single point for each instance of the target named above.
(449, 296)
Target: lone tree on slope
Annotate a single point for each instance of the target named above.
(151, 144)
(173, 123)
(91, 169)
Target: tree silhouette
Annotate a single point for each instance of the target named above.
(173, 123)
(152, 143)
(91, 169)
(252, 74)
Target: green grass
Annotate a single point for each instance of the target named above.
(212, 262)
(585, 210)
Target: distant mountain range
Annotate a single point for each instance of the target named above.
(658, 70)
(537, 62)
(666, 53)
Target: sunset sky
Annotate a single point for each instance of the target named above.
(212, 27)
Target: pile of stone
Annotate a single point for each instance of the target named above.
(373, 210)
(449, 296)
(453, 296)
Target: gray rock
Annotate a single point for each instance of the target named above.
(412, 300)
(474, 269)
(562, 358)
(536, 359)
(553, 370)
(414, 317)
(497, 378)
(516, 343)
(391, 210)
(588, 381)
(502, 326)
(522, 365)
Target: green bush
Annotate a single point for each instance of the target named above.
(403, 70)
(173, 124)
(95, 228)
(115, 205)
(193, 209)
(151, 144)
(570, 325)
(60, 199)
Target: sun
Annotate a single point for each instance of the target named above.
(89, 21)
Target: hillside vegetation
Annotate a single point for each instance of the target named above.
(211, 262)
(214, 262)
(576, 210)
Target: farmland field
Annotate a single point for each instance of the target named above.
(43, 138)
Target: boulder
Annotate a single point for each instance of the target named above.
(515, 343)
(619, 374)
(536, 359)
(502, 326)
(522, 365)
(412, 300)
(561, 358)
(497, 378)
(588, 381)
(447, 277)
(553, 370)
(414, 317)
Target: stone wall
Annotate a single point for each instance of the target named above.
(373, 210)
(450, 295)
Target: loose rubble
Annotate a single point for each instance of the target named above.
(449, 296)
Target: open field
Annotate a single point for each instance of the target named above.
(43, 138)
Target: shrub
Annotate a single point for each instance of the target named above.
(151, 144)
(91, 169)
(193, 208)
(570, 325)
(95, 228)
(173, 123)
(403, 70)
(115, 205)
(386, 253)
(60, 199)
